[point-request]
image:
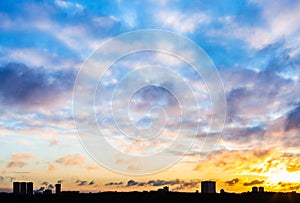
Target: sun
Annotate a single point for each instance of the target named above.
(283, 176)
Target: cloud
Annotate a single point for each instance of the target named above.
(293, 119)
(242, 160)
(53, 141)
(181, 22)
(163, 182)
(81, 182)
(187, 185)
(75, 7)
(45, 183)
(52, 167)
(132, 183)
(84, 182)
(50, 186)
(20, 160)
(232, 182)
(287, 186)
(93, 167)
(254, 182)
(40, 190)
(71, 160)
(24, 86)
(114, 184)
(177, 183)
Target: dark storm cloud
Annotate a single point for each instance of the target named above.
(254, 182)
(232, 182)
(293, 119)
(23, 85)
(92, 182)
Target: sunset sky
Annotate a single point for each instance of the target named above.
(253, 44)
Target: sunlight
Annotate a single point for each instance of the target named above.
(283, 176)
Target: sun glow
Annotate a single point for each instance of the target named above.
(284, 176)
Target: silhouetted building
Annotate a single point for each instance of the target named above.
(47, 192)
(23, 188)
(261, 189)
(254, 189)
(29, 188)
(222, 191)
(164, 189)
(57, 188)
(16, 187)
(208, 187)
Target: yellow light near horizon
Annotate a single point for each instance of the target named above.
(284, 176)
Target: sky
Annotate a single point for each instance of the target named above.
(148, 118)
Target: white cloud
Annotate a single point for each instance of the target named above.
(181, 22)
(281, 21)
(37, 58)
(68, 5)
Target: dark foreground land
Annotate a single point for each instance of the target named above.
(155, 197)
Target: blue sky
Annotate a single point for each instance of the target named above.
(253, 44)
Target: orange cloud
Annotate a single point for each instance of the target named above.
(71, 160)
(52, 167)
(19, 160)
(93, 167)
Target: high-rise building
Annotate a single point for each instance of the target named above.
(57, 188)
(254, 189)
(23, 188)
(16, 187)
(29, 188)
(261, 189)
(208, 187)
